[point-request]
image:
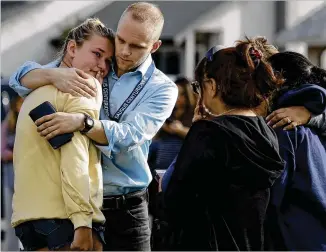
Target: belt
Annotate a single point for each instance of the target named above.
(125, 201)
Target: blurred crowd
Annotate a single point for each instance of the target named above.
(234, 159)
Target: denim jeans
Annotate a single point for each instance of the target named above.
(127, 227)
(50, 233)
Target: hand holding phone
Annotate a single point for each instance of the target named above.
(44, 109)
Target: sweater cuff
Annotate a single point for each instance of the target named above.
(81, 220)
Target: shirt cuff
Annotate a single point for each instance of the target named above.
(14, 81)
(81, 219)
(107, 149)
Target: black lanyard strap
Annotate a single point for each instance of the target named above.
(139, 87)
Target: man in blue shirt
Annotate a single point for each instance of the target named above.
(137, 99)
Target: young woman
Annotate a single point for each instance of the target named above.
(219, 190)
(59, 193)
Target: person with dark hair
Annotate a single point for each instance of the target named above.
(291, 116)
(297, 69)
(218, 193)
(169, 139)
(297, 212)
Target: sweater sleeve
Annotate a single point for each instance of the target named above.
(75, 163)
(318, 122)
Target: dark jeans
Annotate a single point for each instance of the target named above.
(50, 233)
(127, 222)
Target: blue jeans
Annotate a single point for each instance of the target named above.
(50, 233)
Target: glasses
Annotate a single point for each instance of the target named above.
(195, 87)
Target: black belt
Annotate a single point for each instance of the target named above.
(125, 201)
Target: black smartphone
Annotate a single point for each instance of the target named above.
(46, 108)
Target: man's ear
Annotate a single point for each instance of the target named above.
(71, 48)
(156, 46)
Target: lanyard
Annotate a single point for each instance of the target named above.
(139, 87)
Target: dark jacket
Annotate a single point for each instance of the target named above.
(297, 212)
(219, 191)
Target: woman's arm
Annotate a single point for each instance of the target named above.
(291, 117)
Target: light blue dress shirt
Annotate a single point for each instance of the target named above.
(124, 160)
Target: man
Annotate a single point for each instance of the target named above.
(137, 99)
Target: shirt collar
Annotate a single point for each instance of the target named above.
(142, 68)
(145, 65)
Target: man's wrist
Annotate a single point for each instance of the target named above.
(81, 120)
(49, 75)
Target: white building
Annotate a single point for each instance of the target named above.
(30, 29)
(191, 27)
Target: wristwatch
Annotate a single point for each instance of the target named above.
(89, 124)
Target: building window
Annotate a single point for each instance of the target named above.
(167, 58)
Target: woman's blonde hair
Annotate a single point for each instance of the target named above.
(84, 31)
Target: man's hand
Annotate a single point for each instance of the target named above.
(74, 81)
(83, 240)
(59, 123)
(291, 116)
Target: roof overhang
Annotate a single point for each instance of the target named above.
(312, 30)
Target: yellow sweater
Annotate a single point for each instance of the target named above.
(63, 183)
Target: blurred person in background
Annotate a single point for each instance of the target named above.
(59, 193)
(297, 211)
(169, 139)
(217, 195)
(8, 133)
(137, 99)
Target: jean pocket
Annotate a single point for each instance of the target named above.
(45, 227)
(139, 212)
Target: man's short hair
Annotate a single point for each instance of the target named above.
(149, 13)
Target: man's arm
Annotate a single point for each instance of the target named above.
(23, 88)
(137, 126)
(32, 75)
